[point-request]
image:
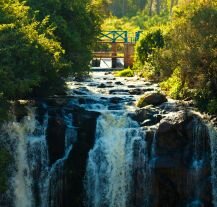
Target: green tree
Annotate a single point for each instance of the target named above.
(77, 25)
(26, 44)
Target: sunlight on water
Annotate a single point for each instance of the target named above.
(110, 164)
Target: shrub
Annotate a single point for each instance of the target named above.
(212, 106)
(174, 87)
(151, 40)
(125, 73)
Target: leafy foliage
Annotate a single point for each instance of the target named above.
(151, 40)
(41, 43)
(125, 73)
(77, 24)
(186, 62)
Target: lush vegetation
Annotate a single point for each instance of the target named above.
(182, 54)
(43, 42)
(125, 73)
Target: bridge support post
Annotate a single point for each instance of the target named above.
(114, 54)
(128, 54)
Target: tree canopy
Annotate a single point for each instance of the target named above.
(43, 42)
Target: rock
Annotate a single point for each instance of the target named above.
(116, 91)
(119, 83)
(146, 113)
(148, 89)
(101, 85)
(151, 98)
(173, 120)
(131, 86)
(136, 91)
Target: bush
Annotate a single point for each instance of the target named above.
(212, 106)
(150, 41)
(174, 87)
(125, 73)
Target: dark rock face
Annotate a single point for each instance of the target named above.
(180, 164)
(76, 164)
(55, 137)
(70, 184)
(151, 98)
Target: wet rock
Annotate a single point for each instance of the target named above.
(116, 91)
(101, 85)
(147, 113)
(173, 161)
(107, 73)
(119, 83)
(173, 120)
(151, 98)
(131, 86)
(55, 136)
(136, 91)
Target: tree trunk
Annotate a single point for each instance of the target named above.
(150, 7)
(171, 6)
(123, 8)
(158, 5)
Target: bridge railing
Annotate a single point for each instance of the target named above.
(119, 36)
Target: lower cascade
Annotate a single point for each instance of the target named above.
(94, 148)
(109, 178)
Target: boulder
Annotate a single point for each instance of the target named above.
(151, 98)
(147, 116)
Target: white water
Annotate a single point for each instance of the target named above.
(213, 144)
(199, 155)
(19, 133)
(32, 161)
(110, 164)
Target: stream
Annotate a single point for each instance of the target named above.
(94, 148)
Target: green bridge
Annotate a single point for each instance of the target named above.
(119, 36)
(114, 39)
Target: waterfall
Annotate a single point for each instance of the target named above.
(213, 144)
(109, 180)
(200, 155)
(39, 160)
(35, 183)
(20, 134)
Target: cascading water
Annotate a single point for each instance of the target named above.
(213, 143)
(199, 156)
(167, 165)
(26, 135)
(109, 171)
(35, 183)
